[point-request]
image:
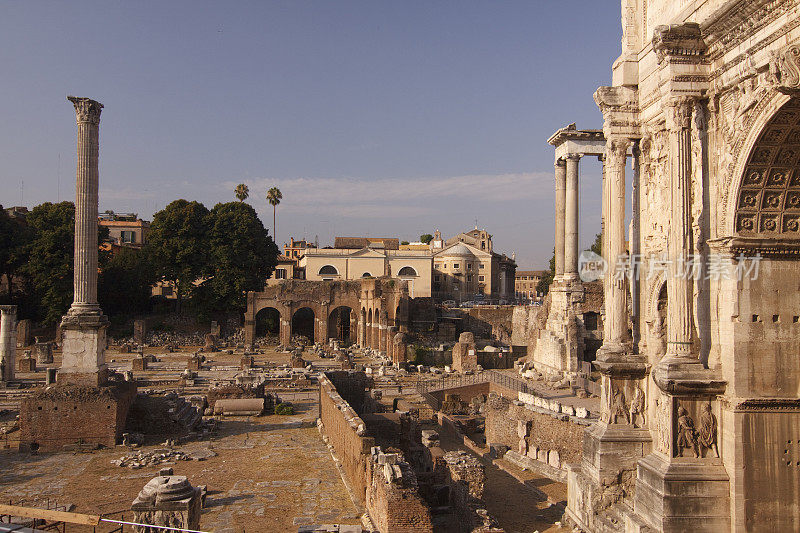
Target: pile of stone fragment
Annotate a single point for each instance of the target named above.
(156, 457)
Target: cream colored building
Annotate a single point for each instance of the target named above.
(466, 266)
(330, 264)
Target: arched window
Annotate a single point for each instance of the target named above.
(366, 275)
(328, 270)
(407, 271)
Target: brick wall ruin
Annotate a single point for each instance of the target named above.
(384, 483)
(56, 418)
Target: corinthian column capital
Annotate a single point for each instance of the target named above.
(617, 148)
(86, 109)
(678, 112)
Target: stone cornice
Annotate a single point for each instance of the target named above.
(767, 246)
(620, 108)
(735, 22)
(679, 42)
(746, 405)
(572, 133)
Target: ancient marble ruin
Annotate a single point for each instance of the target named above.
(93, 408)
(700, 418)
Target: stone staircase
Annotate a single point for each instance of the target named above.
(11, 399)
(185, 414)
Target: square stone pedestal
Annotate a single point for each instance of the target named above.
(70, 415)
(139, 363)
(194, 363)
(83, 361)
(26, 364)
(603, 482)
(683, 494)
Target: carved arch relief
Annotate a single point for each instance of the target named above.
(768, 201)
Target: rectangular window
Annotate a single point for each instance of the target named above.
(469, 277)
(482, 265)
(128, 236)
(469, 266)
(455, 266)
(437, 278)
(280, 273)
(480, 278)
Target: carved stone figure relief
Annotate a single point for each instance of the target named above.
(662, 425)
(707, 435)
(638, 408)
(618, 407)
(686, 433)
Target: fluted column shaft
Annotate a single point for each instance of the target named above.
(87, 114)
(8, 341)
(571, 218)
(561, 199)
(679, 288)
(616, 323)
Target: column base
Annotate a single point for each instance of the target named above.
(82, 379)
(682, 494)
(686, 375)
(600, 490)
(609, 449)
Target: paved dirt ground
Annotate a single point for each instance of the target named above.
(271, 473)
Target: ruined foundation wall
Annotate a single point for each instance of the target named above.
(393, 501)
(384, 483)
(341, 426)
(526, 322)
(545, 433)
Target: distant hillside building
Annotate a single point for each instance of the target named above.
(125, 229)
(466, 266)
(525, 283)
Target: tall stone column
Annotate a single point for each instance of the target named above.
(8, 341)
(87, 113)
(679, 244)
(362, 330)
(571, 218)
(616, 320)
(84, 326)
(561, 199)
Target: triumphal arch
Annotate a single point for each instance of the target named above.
(700, 424)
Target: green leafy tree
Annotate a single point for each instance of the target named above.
(426, 238)
(404, 242)
(242, 192)
(14, 241)
(124, 285)
(597, 246)
(274, 197)
(177, 245)
(544, 284)
(243, 256)
(50, 265)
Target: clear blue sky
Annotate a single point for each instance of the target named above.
(374, 118)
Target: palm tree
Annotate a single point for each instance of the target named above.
(242, 192)
(274, 197)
